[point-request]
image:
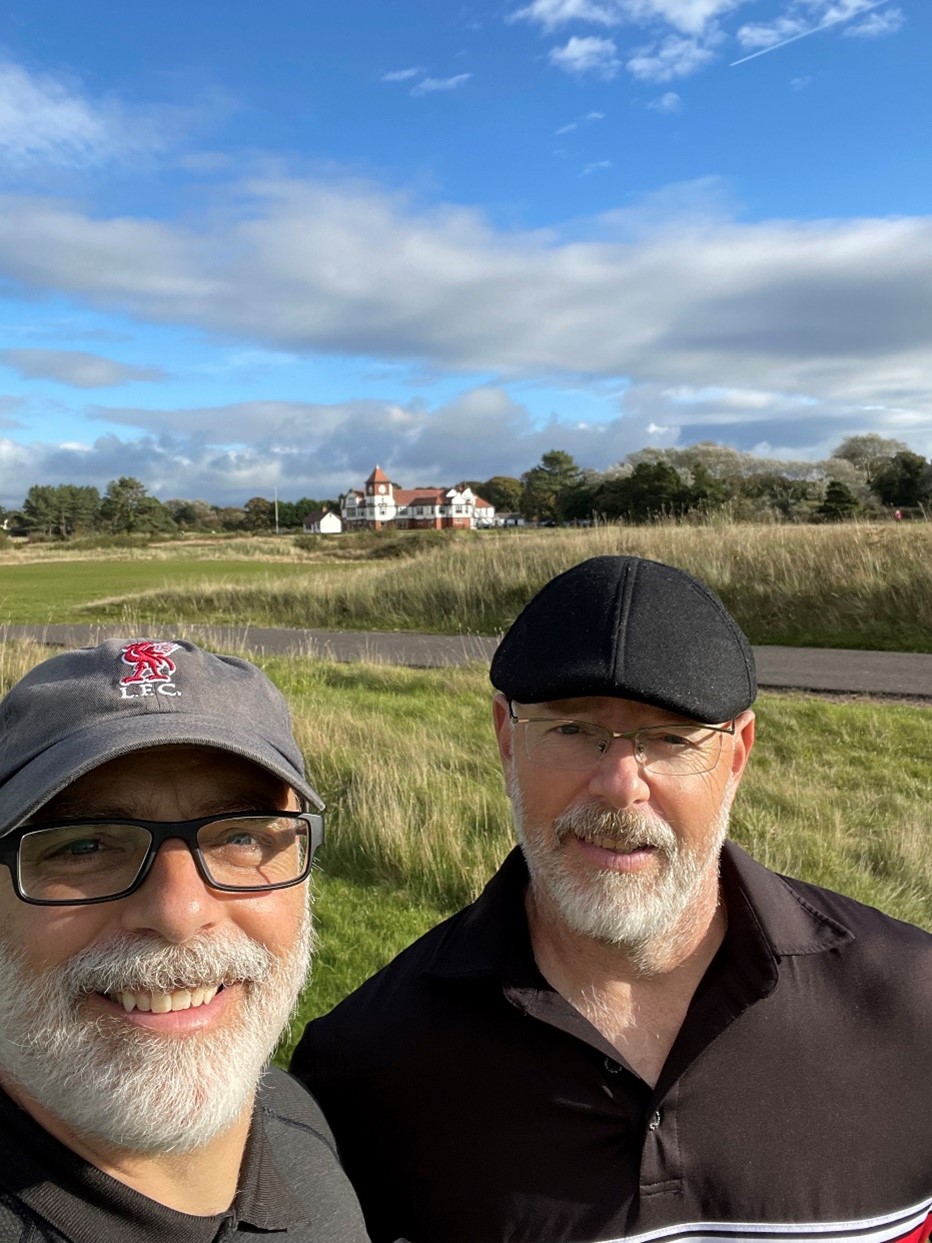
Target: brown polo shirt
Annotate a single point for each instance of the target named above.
(472, 1104)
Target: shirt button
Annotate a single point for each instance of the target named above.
(612, 1067)
(654, 1122)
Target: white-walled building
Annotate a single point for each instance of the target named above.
(323, 522)
(381, 505)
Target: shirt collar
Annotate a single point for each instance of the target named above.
(491, 937)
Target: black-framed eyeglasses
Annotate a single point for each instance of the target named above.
(100, 859)
(671, 750)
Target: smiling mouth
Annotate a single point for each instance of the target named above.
(163, 1003)
(614, 845)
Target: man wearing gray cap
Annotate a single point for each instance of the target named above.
(636, 1032)
(156, 835)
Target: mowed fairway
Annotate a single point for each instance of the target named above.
(66, 591)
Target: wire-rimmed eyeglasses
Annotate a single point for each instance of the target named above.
(100, 859)
(676, 749)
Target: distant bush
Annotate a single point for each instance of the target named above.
(409, 544)
(377, 545)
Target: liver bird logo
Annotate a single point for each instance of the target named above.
(150, 662)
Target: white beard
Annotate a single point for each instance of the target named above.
(133, 1088)
(629, 910)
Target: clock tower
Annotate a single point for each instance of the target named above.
(380, 504)
(378, 484)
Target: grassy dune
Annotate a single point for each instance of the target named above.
(837, 793)
(851, 585)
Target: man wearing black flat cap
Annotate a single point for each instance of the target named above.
(636, 1032)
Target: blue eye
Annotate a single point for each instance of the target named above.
(81, 846)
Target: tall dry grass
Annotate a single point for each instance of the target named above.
(851, 585)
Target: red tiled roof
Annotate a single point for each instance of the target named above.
(378, 476)
(418, 496)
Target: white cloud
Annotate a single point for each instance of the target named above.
(50, 121)
(667, 103)
(75, 368)
(587, 55)
(551, 14)
(44, 120)
(808, 17)
(674, 57)
(674, 292)
(800, 84)
(430, 85)
(889, 22)
(565, 129)
(595, 167)
(687, 16)
(595, 116)
(756, 35)
(401, 75)
(228, 453)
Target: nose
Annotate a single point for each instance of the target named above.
(618, 779)
(173, 901)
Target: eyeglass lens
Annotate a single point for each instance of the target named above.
(579, 745)
(75, 862)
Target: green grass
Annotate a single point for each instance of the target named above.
(66, 590)
(847, 585)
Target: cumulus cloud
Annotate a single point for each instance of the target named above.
(551, 14)
(808, 17)
(228, 453)
(595, 167)
(429, 86)
(673, 57)
(75, 368)
(667, 103)
(889, 22)
(589, 55)
(687, 16)
(691, 295)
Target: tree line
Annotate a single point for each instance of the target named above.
(69, 510)
(864, 476)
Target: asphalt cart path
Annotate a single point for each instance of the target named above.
(829, 671)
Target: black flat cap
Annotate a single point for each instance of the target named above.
(632, 628)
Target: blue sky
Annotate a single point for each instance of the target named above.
(247, 247)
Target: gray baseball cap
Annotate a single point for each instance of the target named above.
(80, 709)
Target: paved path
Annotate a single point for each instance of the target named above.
(902, 675)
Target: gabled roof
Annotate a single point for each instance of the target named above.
(317, 514)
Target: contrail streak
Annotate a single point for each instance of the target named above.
(815, 29)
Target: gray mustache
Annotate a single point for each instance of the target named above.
(626, 829)
(148, 964)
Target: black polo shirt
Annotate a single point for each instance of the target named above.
(472, 1104)
(291, 1185)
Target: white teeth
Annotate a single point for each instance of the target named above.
(609, 843)
(163, 1003)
